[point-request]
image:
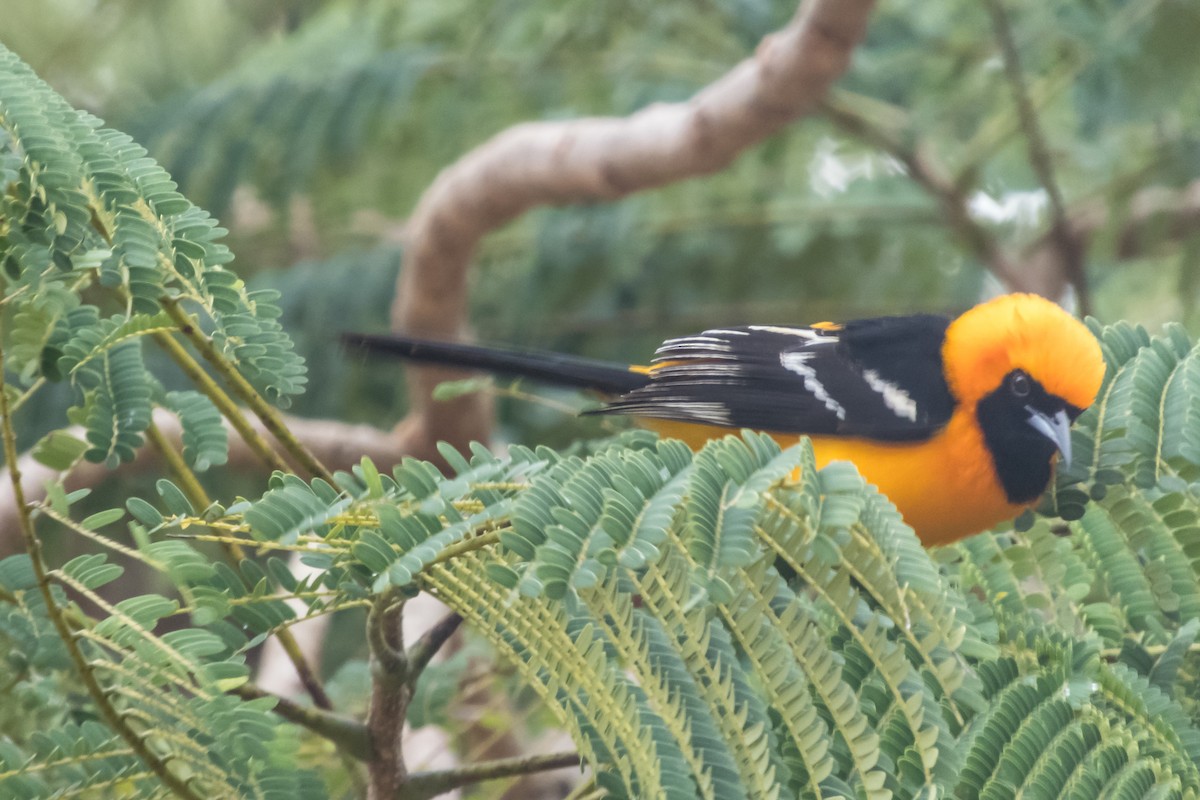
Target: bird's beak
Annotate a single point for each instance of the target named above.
(1056, 428)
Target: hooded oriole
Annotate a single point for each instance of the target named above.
(958, 422)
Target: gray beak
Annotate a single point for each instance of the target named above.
(1056, 428)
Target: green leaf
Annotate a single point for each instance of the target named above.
(452, 390)
(205, 440)
(143, 512)
(16, 573)
(118, 404)
(59, 450)
(102, 518)
(1166, 668)
(93, 571)
(174, 499)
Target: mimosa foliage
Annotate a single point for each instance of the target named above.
(87, 215)
(638, 592)
(731, 623)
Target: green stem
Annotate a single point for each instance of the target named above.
(190, 329)
(33, 546)
(467, 546)
(424, 785)
(209, 388)
(269, 417)
(27, 394)
(194, 490)
(183, 475)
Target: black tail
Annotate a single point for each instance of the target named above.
(552, 368)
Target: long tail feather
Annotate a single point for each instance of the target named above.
(552, 368)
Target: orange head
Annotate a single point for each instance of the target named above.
(1022, 332)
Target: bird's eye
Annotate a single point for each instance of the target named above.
(1019, 384)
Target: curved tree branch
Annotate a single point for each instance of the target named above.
(596, 159)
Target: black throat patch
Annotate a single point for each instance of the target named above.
(1021, 455)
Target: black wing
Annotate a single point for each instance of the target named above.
(876, 378)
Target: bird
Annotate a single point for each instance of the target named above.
(959, 421)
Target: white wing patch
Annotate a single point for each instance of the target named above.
(700, 370)
(715, 413)
(808, 334)
(693, 345)
(893, 396)
(797, 361)
(709, 412)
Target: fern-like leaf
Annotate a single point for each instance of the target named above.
(205, 440)
(118, 403)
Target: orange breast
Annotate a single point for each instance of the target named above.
(944, 487)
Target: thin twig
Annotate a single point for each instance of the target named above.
(348, 734)
(427, 647)
(191, 485)
(233, 378)
(184, 476)
(424, 785)
(1069, 247)
(28, 394)
(385, 635)
(229, 410)
(995, 133)
(194, 491)
(843, 110)
(467, 546)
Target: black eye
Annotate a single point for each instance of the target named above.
(1019, 384)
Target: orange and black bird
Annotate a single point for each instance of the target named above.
(958, 421)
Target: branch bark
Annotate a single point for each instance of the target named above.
(595, 159)
(426, 785)
(390, 695)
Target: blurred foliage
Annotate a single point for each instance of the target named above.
(310, 128)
